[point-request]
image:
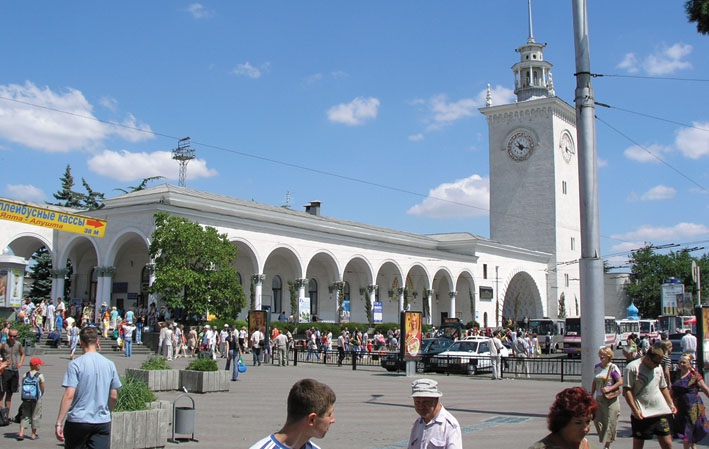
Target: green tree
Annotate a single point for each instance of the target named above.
(143, 184)
(40, 266)
(650, 270)
(66, 196)
(698, 11)
(91, 200)
(193, 268)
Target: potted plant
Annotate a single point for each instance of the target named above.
(139, 420)
(203, 375)
(157, 374)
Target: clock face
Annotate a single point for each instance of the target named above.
(520, 145)
(566, 146)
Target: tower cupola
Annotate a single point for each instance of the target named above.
(532, 73)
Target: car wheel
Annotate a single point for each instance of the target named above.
(472, 369)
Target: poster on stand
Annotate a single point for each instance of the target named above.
(412, 334)
(304, 310)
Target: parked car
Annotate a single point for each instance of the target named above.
(467, 356)
(392, 361)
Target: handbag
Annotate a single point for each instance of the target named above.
(611, 394)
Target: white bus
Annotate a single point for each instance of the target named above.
(625, 329)
(572, 335)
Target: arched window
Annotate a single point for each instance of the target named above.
(313, 293)
(277, 289)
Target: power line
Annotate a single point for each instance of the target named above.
(667, 164)
(659, 78)
(305, 168)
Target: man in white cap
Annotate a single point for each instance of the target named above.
(436, 427)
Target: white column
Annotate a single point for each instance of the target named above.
(400, 292)
(428, 298)
(301, 284)
(58, 282)
(258, 287)
(451, 311)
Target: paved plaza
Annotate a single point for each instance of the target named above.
(373, 408)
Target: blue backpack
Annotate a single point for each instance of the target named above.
(30, 388)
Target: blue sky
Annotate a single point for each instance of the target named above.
(370, 107)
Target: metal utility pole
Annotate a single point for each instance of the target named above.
(183, 154)
(591, 264)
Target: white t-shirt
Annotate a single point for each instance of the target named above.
(270, 442)
(646, 385)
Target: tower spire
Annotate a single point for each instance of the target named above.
(531, 29)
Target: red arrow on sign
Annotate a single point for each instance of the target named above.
(94, 223)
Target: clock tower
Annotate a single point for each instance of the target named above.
(534, 179)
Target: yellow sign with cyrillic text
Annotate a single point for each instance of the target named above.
(54, 219)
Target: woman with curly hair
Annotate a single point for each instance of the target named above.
(569, 420)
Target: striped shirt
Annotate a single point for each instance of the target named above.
(270, 442)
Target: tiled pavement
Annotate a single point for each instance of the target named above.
(373, 409)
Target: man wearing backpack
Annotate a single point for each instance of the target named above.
(32, 391)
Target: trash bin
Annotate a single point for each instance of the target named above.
(28, 343)
(183, 420)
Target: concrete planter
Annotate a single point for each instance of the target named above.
(157, 380)
(142, 429)
(205, 381)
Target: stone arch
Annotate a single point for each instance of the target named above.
(417, 282)
(27, 243)
(522, 298)
(324, 269)
(358, 275)
(442, 285)
(84, 256)
(128, 254)
(282, 261)
(466, 298)
(389, 278)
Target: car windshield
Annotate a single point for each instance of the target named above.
(464, 346)
(436, 344)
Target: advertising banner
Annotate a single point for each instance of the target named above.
(303, 310)
(257, 320)
(378, 312)
(412, 334)
(51, 218)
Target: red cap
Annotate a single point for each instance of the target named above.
(36, 361)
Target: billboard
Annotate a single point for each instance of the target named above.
(304, 310)
(412, 334)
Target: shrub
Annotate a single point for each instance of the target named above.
(202, 364)
(133, 395)
(25, 333)
(155, 363)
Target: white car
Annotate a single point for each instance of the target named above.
(467, 356)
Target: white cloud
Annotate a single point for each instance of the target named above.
(416, 137)
(126, 166)
(250, 71)
(469, 197)
(355, 112)
(442, 112)
(657, 235)
(109, 103)
(666, 60)
(198, 11)
(650, 153)
(659, 192)
(693, 142)
(630, 63)
(57, 121)
(26, 192)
